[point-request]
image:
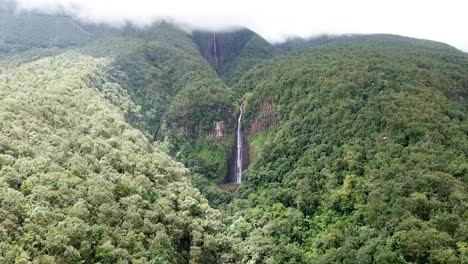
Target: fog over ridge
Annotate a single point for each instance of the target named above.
(443, 21)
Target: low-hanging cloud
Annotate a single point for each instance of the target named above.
(444, 21)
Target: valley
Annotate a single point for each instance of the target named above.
(159, 145)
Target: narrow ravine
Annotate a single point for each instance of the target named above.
(239, 147)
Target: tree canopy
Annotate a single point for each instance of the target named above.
(113, 142)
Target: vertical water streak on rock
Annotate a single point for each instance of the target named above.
(215, 49)
(239, 146)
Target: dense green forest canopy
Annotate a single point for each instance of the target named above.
(164, 73)
(370, 161)
(358, 146)
(79, 184)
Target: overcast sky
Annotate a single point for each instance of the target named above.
(445, 21)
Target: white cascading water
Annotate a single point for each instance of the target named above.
(239, 146)
(215, 49)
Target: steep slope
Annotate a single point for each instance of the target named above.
(78, 184)
(358, 146)
(233, 53)
(360, 155)
(182, 100)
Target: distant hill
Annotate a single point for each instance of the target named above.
(19, 33)
(294, 44)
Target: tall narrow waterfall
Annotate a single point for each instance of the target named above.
(239, 147)
(215, 49)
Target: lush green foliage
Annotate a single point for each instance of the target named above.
(78, 184)
(370, 161)
(361, 155)
(180, 95)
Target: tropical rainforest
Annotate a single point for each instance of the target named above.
(118, 145)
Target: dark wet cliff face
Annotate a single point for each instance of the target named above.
(223, 47)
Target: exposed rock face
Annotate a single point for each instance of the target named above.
(219, 130)
(264, 118)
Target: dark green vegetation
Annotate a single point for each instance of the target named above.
(180, 95)
(78, 184)
(358, 147)
(164, 73)
(370, 161)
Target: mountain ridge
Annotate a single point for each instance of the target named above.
(357, 146)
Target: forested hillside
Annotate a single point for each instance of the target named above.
(184, 102)
(180, 95)
(296, 44)
(357, 146)
(369, 162)
(78, 184)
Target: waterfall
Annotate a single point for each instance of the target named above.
(239, 147)
(215, 49)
